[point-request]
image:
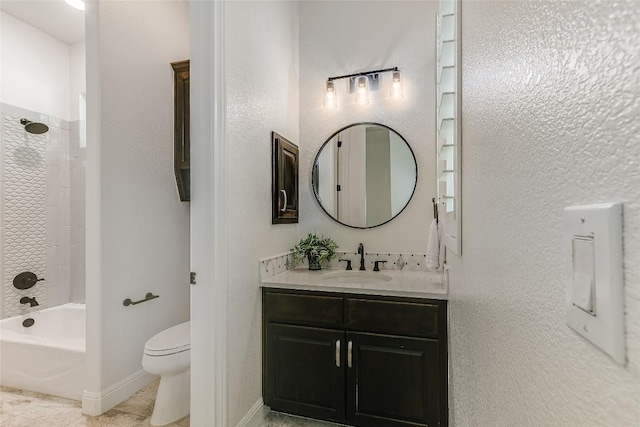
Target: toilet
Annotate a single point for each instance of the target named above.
(168, 354)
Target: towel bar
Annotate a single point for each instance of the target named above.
(147, 297)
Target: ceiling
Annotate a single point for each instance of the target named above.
(53, 17)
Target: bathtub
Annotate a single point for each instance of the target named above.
(48, 357)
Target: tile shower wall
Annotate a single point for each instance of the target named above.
(58, 217)
(43, 204)
(77, 162)
(23, 225)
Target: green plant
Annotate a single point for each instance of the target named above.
(320, 248)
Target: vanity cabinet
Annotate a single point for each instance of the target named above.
(306, 376)
(356, 359)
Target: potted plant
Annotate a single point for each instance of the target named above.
(315, 249)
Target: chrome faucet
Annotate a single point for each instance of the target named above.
(361, 252)
(31, 301)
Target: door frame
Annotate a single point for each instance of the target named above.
(208, 217)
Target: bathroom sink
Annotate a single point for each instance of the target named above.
(355, 277)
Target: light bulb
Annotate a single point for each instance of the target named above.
(396, 86)
(330, 100)
(362, 90)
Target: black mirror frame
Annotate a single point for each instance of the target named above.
(314, 173)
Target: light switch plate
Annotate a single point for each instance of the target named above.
(582, 288)
(602, 225)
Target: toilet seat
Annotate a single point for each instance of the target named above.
(174, 340)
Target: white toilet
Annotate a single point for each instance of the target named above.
(167, 354)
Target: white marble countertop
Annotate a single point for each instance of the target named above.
(414, 284)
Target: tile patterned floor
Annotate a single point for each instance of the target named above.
(276, 419)
(19, 408)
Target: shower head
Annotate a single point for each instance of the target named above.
(34, 127)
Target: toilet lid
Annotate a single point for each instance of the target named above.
(173, 340)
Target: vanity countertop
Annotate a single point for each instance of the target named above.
(413, 284)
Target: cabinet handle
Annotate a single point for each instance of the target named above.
(338, 353)
(284, 206)
(349, 354)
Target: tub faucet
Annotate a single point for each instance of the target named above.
(27, 300)
(361, 252)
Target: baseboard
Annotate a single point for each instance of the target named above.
(255, 415)
(95, 404)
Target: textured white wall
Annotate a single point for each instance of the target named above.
(137, 229)
(34, 69)
(261, 67)
(344, 37)
(550, 119)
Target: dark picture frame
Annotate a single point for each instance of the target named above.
(284, 180)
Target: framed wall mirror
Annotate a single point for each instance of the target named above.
(364, 175)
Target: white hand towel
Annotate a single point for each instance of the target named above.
(433, 246)
(441, 248)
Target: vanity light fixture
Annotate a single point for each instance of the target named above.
(396, 86)
(330, 100)
(362, 90)
(361, 84)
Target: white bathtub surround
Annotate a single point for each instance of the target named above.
(77, 173)
(23, 209)
(43, 207)
(48, 357)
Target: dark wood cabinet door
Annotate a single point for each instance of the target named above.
(284, 181)
(305, 371)
(393, 381)
(181, 135)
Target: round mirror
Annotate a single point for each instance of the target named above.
(364, 175)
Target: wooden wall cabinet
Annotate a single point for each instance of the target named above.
(361, 360)
(181, 148)
(284, 180)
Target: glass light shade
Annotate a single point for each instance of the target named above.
(396, 86)
(76, 4)
(330, 98)
(362, 90)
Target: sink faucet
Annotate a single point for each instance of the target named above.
(27, 300)
(361, 252)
